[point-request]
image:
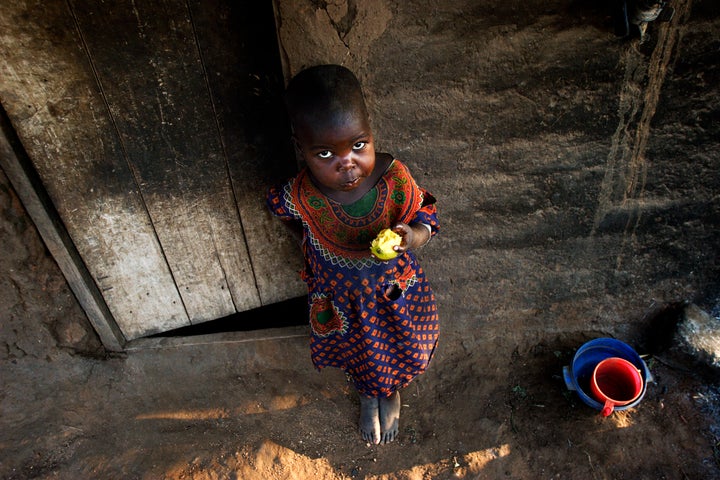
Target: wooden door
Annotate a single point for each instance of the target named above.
(156, 127)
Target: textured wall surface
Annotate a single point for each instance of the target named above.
(577, 171)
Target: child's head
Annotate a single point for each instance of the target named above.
(331, 128)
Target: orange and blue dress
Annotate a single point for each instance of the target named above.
(376, 320)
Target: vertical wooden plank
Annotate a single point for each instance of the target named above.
(148, 65)
(239, 48)
(50, 93)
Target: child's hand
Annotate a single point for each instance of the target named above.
(407, 234)
(413, 236)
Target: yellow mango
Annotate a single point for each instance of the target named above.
(382, 245)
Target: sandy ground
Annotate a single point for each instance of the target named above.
(258, 411)
(227, 406)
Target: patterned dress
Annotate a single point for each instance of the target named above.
(381, 341)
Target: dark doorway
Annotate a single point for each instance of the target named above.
(289, 313)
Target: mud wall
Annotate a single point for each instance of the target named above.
(577, 171)
(38, 313)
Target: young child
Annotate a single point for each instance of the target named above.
(377, 320)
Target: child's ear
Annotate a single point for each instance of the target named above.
(296, 145)
(299, 157)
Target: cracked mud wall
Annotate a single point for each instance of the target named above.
(318, 31)
(38, 313)
(626, 169)
(577, 172)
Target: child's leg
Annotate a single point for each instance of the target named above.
(370, 419)
(389, 417)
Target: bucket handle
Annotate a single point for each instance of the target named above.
(648, 374)
(569, 381)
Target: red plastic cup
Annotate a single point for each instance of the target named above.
(615, 382)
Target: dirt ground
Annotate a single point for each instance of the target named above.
(227, 406)
(258, 410)
(520, 287)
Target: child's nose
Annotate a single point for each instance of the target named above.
(346, 161)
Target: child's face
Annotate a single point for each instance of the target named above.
(340, 155)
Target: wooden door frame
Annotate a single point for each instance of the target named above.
(27, 185)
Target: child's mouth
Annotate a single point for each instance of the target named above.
(351, 183)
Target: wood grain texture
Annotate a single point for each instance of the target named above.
(49, 91)
(239, 48)
(147, 61)
(157, 128)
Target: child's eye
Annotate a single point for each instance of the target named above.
(359, 145)
(325, 154)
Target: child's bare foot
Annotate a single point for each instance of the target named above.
(389, 417)
(370, 419)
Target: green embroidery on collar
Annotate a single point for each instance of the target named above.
(363, 206)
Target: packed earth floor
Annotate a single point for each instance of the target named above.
(244, 405)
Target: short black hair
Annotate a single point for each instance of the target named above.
(320, 93)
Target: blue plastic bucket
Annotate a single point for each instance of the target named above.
(578, 374)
